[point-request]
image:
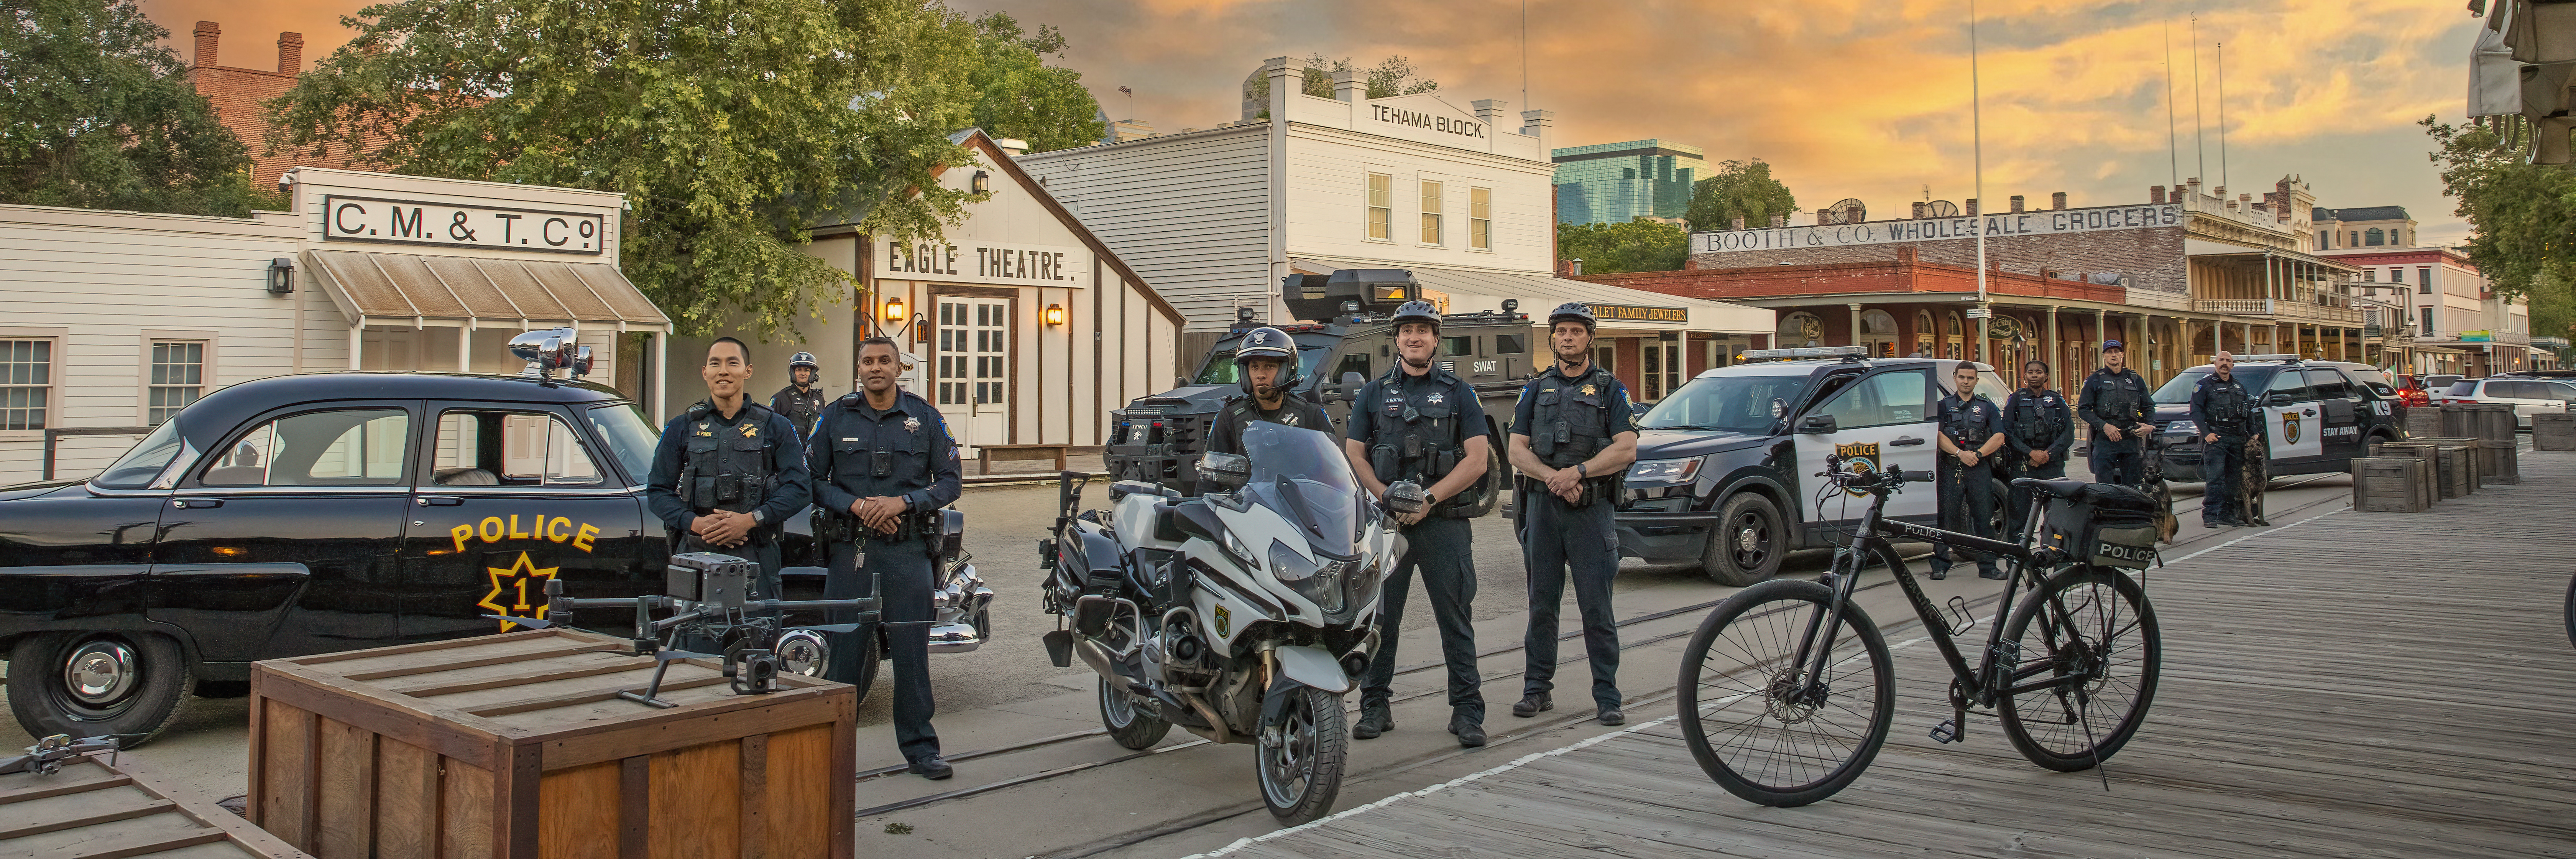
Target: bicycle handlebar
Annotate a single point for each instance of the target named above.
(1892, 479)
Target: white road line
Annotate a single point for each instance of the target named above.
(2271, 530)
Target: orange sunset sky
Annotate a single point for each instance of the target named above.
(1843, 98)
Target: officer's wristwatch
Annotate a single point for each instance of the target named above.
(758, 517)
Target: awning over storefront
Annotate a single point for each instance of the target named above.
(382, 288)
(1619, 308)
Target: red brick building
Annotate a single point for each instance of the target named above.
(240, 95)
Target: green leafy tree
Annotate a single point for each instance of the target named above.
(1638, 245)
(731, 127)
(2522, 216)
(95, 113)
(1740, 188)
(1019, 95)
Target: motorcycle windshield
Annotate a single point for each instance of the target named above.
(1302, 474)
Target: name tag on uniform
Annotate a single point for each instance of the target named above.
(705, 433)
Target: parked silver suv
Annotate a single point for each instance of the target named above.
(2527, 395)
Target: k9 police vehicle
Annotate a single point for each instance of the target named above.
(1347, 342)
(1724, 467)
(314, 513)
(2317, 415)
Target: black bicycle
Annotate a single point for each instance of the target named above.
(1788, 687)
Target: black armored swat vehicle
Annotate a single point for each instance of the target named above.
(1343, 342)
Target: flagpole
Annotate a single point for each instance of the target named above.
(1977, 132)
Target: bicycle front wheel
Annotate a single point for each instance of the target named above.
(1754, 720)
(2088, 654)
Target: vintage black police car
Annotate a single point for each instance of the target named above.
(1725, 464)
(2319, 414)
(305, 514)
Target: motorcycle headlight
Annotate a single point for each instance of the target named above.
(1664, 470)
(1319, 582)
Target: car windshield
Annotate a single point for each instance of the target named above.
(2462, 388)
(630, 438)
(1731, 402)
(1304, 475)
(151, 456)
(2177, 390)
(1220, 369)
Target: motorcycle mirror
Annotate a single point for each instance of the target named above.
(1407, 498)
(1227, 470)
(1354, 379)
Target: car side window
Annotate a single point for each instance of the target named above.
(2291, 383)
(478, 447)
(2326, 384)
(1893, 397)
(348, 447)
(2559, 391)
(1356, 362)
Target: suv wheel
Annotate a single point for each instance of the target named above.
(1748, 542)
(90, 684)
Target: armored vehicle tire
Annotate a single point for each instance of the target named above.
(872, 653)
(1497, 477)
(88, 684)
(1747, 543)
(1128, 723)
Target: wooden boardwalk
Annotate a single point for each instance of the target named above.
(2360, 684)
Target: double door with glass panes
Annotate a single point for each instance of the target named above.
(973, 380)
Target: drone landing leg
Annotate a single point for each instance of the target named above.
(652, 690)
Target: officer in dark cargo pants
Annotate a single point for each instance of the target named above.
(1572, 441)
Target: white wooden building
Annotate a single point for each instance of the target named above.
(118, 319)
(1025, 328)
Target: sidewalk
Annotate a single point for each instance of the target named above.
(2347, 684)
(1023, 472)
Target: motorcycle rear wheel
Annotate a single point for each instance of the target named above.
(1127, 722)
(1298, 756)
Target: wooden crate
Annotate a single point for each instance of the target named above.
(2423, 421)
(2479, 421)
(2391, 484)
(2553, 431)
(102, 805)
(2499, 462)
(516, 746)
(2454, 462)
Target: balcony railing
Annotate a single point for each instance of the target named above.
(2307, 311)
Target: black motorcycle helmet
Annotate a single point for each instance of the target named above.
(1574, 310)
(1416, 310)
(1266, 343)
(805, 360)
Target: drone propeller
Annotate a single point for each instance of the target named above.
(529, 622)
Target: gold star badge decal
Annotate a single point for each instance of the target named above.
(749, 430)
(518, 590)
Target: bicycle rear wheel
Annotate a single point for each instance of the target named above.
(2092, 627)
(1756, 726)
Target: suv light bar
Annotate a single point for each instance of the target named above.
(2284, 356)
(1808, 352)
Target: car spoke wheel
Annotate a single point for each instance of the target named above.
(90, 684)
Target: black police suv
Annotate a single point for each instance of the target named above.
(1725, 464)
(2318, 414)
(1348, 341)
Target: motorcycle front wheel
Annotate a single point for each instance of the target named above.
(1128, 722)
(1299, 755)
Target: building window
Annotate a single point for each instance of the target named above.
(2428, 321)
(2355, 240)
(2374, 237)
(26, 381)
(2369, 275)
(2325, 239)
(1431, 209)
(178, 378)
(1381, 207)
(2424, 281)
(1480, 215)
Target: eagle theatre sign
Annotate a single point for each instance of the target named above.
(2103, 219)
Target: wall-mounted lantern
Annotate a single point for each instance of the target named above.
(894, 310)
(281, 275)
(1054, 314)
(983, 182)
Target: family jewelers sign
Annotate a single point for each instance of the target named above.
(1934, 229)
(983, 262)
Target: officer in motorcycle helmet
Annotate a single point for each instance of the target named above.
(1422, 424)
(1572, 441)
(1266, 366)
(801, 401)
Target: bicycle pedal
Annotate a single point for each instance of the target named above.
(1946, 732)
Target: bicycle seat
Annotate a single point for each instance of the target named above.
(2063, 487)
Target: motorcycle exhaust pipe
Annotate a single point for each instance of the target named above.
(1103, 663)
(1355, 664)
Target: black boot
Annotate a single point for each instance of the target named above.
(1375, 719)
(1533, 704)
(1470, 730)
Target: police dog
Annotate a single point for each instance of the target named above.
(2151, 480)
(2250, 478)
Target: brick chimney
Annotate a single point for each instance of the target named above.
(290, 53)
(1739, 222)
(2016, 202)
(2155, 193)
(2057, 200)
(1780, 220)
(1972, 207)
(207, 34)
(1820, 218)
(1918, 210)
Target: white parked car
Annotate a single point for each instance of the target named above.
(2527, 395)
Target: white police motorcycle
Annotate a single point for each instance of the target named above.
(1243, 616)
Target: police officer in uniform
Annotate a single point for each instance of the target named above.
(2228, 419)
(1422, 424)
(1572, 442)
(800, 401)
(1266, 364)
(2114, 404)
(729, 472)
(1972, 429)
(884, 464)
(2040, 428)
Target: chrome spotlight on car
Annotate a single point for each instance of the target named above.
(550, 350)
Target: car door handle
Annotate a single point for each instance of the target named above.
(1905, 441)
(196, 503)
(438, 500)
(2308, 412)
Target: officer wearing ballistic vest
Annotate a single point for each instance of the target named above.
(1572, 441)
(800, 401)
(1420, 423)
(2040, 428)
(729, 472)
(2114, 404)
(1266, 367)
(1972, 429)
(2228, 419)
(884, 464)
